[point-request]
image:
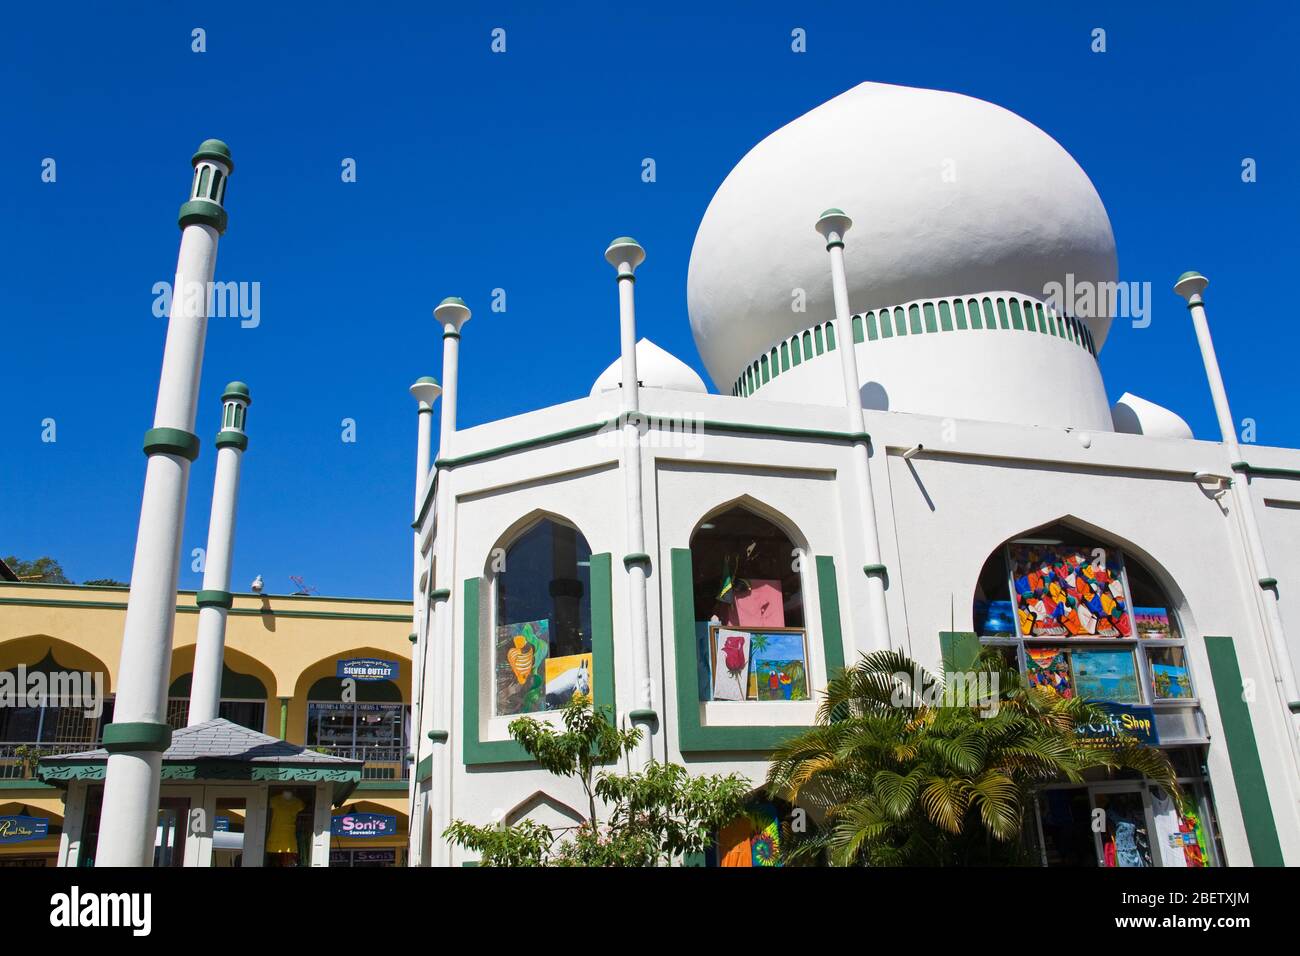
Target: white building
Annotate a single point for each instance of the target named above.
(553, 528)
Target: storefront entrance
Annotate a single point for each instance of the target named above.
(1126, 824)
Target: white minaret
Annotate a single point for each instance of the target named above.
(139, 733)
(1190, 285)
(624, 254)
(215, 598)
(425, 391)
(452, 314)
(832, 226)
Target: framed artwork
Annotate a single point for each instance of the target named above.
(1169, 677)
(1049, 667)
(1152, 622)
(1104, 673)
(567, 677)
(1065, 590)
(730, 664)
(779, 662)
(766, 664)
(521, 653)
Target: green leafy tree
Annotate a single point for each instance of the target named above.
(903, 776)
(106, 583)
(653, 816)
(41, 571)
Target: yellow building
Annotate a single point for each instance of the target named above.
(286, 660)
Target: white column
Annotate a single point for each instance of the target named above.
(624, 254)
(215, 599)
(139, 733)
(425, 392)
(451, 314)
(321, 820)
(1190, 285)
(832, 226)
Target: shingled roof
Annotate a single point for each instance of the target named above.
(220, 750)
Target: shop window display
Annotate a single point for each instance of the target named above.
(290, 811)
(749, 611)
(1090, 622)
(542, 655)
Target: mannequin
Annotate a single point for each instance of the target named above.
(282, 834)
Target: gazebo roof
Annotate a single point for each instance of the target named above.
(219, 750)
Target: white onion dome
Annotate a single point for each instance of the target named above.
(950, 195)
(655, 368)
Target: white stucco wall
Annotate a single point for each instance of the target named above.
(941, 514)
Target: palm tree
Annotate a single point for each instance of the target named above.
(905, 772)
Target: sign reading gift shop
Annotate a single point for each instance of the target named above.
(1118, 720)
(19, 829)
(364, 825)
(367, 668)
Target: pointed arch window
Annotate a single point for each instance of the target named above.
(542, 627)
(749, 608)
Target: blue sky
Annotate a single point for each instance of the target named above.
(478, 171)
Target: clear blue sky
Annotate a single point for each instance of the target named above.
(478, 171)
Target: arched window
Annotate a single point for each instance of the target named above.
(749, 610)
(1079, 616)
(542, 599)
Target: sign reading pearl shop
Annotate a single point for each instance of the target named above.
(364, 825)
(20, 829)
(367, 668)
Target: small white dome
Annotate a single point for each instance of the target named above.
(655, 368)
(1136, 416)
(951, 195)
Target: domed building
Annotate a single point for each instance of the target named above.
(900, 298)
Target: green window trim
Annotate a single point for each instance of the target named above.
(1243, 753)
(692, 736)
(479, 752)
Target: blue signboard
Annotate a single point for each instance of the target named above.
(367, 668)
(1127, 719)
(18, 829)
(364, 825)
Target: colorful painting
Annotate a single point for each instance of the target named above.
(1152, 622)
(1049, 667)
(521, 653)
(1068, 591)
(1105, 674)
(752, 839)
(760, 606)
(566, 678)
(731, 677)
(779, 663)
(1169, 677)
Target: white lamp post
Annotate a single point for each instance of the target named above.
(624, 254)
(1190, 285)
(832, 226)
(425, 391)
(452, 314)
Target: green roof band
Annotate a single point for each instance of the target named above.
(141, 737)
(171, 441)
(203, 212)
(233, 439)
(214, 598)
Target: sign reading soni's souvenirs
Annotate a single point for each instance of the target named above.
(1136, 722)
(19, 829)
(367, 668)
(364, 825)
